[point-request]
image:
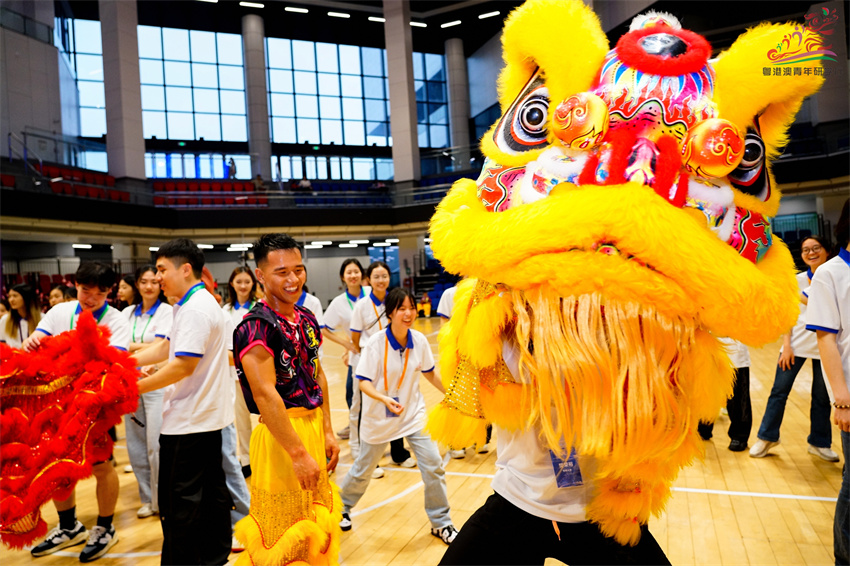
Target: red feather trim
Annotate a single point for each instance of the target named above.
(695, 58)
(667, 166)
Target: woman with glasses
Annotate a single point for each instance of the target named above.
(798, 346)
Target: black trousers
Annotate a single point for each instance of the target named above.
(501, 533)
(740, 410)
(194, 503)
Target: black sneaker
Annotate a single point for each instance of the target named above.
(345, 524)
(57, 539)
(100, 541)
(446, 534)
(738, 445)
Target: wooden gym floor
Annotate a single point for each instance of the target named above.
(728, 509)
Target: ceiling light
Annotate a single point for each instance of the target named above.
(153, 248)
(358, 241)
(338, 15)
(348, 245)
(381, 244)
(488, 15)
(205, 246)
(81, 246)
(251, 4)
(210, 1)
(450, 24)
(322, 243)
(376, 19)
(427, 240)
(418, 25)
(232, 249)
(246, 246)
(312, 247)
(392, 240)
(297, 10)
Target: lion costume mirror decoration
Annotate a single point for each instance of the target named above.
(620, 225)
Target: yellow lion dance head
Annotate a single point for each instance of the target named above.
(620, 225)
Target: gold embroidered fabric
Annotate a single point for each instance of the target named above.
(496, 375)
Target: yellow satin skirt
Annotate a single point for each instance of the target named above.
(286, 524)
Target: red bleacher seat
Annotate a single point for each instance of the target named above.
(206, 200)
(216, 187)
(205, 187)
(56, 187)
(100, 179)
(159, 201)
(56, 278)
(110, 181)
(81, 190)
(125, 196)
(158, 186)
(193, 187)
(227, 186)
(170, 186)
(181, 186)
(8, 180)
(263, 200)
(239, 187)
(229, 201)
(76, 175)
(88, 177)
(52, 171)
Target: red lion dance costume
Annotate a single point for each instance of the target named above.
(56, 407)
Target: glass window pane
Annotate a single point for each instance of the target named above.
(349, 59)
(153, 125)
(434, 67)
(297, 166)
(206, 100)
(421, 112)
(351, 86)
(375, 110)
(436, 92)
(326, 54)
(310, 167)
(280, 81)
(207, 126)
(178, 74)
(354, 133)
(176, 162)
(189, 166)
(179, 99)
(352, 108)
(203, 46)
(283, 105)
(233, 102)
(229, 48)
(234, 128)
(243, 166)
(278, 53)
(304, 55)
(150, 72)
(88, 37)
(421, 92)
(159, 165)
(439, 136)
(150, 42)
(149, 166)
(204, 166)
(305, 83)
(345, 165)
(373, 87)
(91, 94)
(180, 126)
(363, 169)
(204, 75)
(418, 67)
(329, 107)
(92, 122)
(175, 44)
(373, 62)
(334, 167)
(218, 166)
(328, 84)
(153, 98)
(332, 132)
(422, 131)
(283, 130)
(308, 131)
(90, 67)
(376, 133)
(438, 113)
(231, 77)
(384, 169)
(285, 168)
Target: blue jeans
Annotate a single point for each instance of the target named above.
(820, 433)
(233, 475)
(354, 484)
(143, 445)
(841, 525)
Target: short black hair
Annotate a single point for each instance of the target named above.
(96, 273)
(268, 243)
(183, 250)
(62, 288)
(348, 262)
(395, 298)
(376, 264)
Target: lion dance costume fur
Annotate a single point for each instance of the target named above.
(620, 224)
(56, 408)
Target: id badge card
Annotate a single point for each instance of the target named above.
(567, 472)
(390, 414)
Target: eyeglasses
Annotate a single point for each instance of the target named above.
(812, 250)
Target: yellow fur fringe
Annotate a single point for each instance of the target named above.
(452, 428)
(501, 405)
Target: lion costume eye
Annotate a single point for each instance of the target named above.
(525, 125)
(750, 177)
(530, 121)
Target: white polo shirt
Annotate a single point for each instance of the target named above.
(738, 353)
(532, 477)
(447, 303)
(145, 327)
(368, 318)
(829, 305)
(64, 317)
(804, 343)
(400, 381)
(313, 304)
(202, 401)
(18, 338)
(338, 315)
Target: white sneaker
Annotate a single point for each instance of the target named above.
(59, 538)
(235, 545)
(446, 534)
(100, 541)
(345, 523)
(377, 473)
(761, 448)
(457, 454)
(825, 453)
(409, 463)
(145, 511)
(128, 469)
(485, 449)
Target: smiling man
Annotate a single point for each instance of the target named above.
(276, 350)
(194, 502)
(94, 280)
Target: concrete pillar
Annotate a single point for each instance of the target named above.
(408, 248)
(256, 94)
(403, 121)
(457, 80)
(125, 141)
